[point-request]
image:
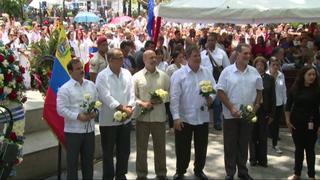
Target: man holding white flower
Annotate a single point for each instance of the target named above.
(151, 90)
(78, 123)
(191, 93)
(239, 84)
(116, 92)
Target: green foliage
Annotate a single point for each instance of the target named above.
(42, 61)
(13, 7)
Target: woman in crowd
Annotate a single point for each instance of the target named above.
(177, 60)
(281, 99)
(258, 142)
(162, 64)
(302, 118)
(24, 59)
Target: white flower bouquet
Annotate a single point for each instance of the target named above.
(206, 88)
(119, 116)
(156, 97)
(88, 105)
(248, 114)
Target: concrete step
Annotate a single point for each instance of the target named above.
(41, 154)
(34, 108)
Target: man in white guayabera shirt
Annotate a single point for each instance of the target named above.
(239, 84)
(78, 126)
(116, 92)
(190, 113)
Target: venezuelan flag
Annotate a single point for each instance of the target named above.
(59, 76)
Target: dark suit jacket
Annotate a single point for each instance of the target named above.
(268, 95)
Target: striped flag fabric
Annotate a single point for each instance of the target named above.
(150, 22)
(59, 76)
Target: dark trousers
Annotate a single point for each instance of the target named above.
(170, 119)
(258, 143)
(236, 136)
(183, 140)
(115, 137)
(274, 125)
(79, 144)
(304, 140)
(217, 110)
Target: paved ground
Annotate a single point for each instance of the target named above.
(280, 166)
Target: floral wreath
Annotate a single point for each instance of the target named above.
(11, 79)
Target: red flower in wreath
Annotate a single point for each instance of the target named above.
(13, 95)
(1, 58)
(13, 136)
(11, 58)
(19, 79)
(1, 90)
(8, 76)
(22, 69)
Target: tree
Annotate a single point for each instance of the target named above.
(13, 7)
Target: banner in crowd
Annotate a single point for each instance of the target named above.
(59, 76)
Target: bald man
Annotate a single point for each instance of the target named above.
(145, 81)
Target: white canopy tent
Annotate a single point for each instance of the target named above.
(36, 3)
(241, 11)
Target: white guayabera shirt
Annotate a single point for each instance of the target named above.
(185, 100)
(114, 90)
(69, 98)
(239, 87)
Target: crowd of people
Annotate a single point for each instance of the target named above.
(245, 64)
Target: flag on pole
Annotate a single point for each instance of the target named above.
(59, 76)
(150, 23)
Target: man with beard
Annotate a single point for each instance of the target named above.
(239, 84)
(78, 125)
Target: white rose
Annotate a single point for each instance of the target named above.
(202, 83)
(249, 108)
(97, 105)
(204, 89)
(5, 63)
(7, 90)
(254, 119)
(87, 96)
(124, 115)
(16, 67)
(117, 116)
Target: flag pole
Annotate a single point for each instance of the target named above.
(59, 161)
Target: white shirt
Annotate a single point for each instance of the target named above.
(185, 100)
(69, 98)
(281, 89)
(139, 44)
(218, 55)
(162, 66)
(113, 91)
(239, 87)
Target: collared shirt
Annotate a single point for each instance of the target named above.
(98, 63)
(113, 91)
(172, 68)
(218, 55)
(239, 87)
(281, 89)
(146, 82)
(69, 98)
(185, 101)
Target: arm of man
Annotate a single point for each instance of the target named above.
(175, 93)
(142, 103)
(105, 93)
(222, 86)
